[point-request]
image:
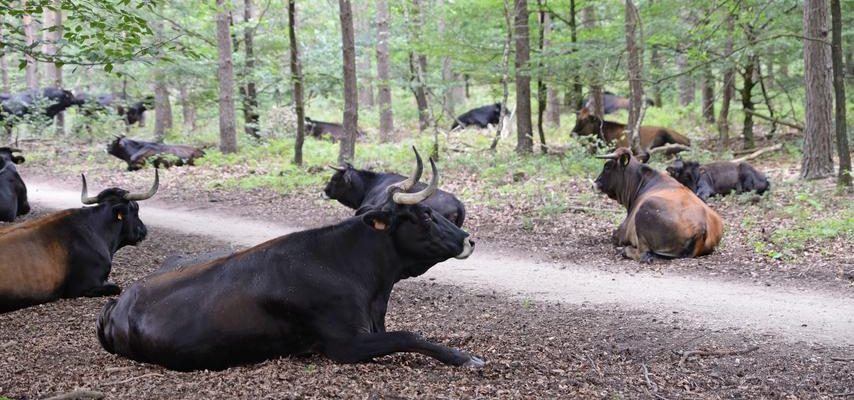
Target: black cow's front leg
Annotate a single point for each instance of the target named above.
(365, 347)
(107, 289)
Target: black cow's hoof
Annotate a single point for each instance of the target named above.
(110, 289)
(474, 362)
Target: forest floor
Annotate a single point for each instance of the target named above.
(622, 341)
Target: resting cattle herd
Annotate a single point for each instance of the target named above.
(613, 103)
(364, 190)
(612, 132)
(131, 110)
(335, 130)
(53, 101)
(291, 295)
(137, 152)
(663, 217)
(69, 253)
(481, 117)
(718, 178)
(13, 191)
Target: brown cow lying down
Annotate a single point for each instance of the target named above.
(612, 132)
(720, 177)
(664, 218)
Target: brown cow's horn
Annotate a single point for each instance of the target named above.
(417, 197)
(84, 195)
(609, 156)
(147, 195)
(416, 174)
(339, 169)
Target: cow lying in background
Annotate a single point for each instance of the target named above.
(612, 132)
(131, 110)
(664, 218)
(480, 117)
(69, 253)
(718, 178)
(49, 101)
(335, 130)
(364, 190)
(323, 290)
(613, 103)
(13, 191)
(137, 152)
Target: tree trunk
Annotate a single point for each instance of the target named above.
(32, 68)
(818, 137)
(505, 72)
(4, 74)
(655, 69)
(53, 72)
(448, 77)
(541, 87)
(363, 59)
(849, 66)
(635, 75)
(588, 21)
(524, 131)
(747, 105)
(686, 82)
(250, 92)
(728, 88)
(577, 91)
(708, 89)
(383, 86)
(162, 107)
(188, 109)
(839, 91)
(552, 102)
(351, 108)
(767, 98)
(418, 70)
(225, 73)
(296, 75)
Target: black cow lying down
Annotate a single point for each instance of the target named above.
(364, 190)
(13, 191)
(335, 130)
(136, 152)
(481, 117)
(323, 290)
(718, 178)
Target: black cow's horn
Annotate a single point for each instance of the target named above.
(417, 197)
(84, 195)
(146, 195)
(14, 150)
(339, 169)
(609, 156)
(416, 174)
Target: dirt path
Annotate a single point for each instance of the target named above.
(790, 313)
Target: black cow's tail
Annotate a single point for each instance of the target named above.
(104, 335)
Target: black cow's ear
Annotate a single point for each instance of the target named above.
(119, 211)
(18, 159)
(379, 220)
(624, 159)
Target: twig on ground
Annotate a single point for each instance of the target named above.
(596, 367)
(849, 359)
(759, 152)
(709, 353)
(649, 383)
(775, 120)
(153, 374)
(582, 208)
(79, 395)
(846, 394)
(669, 146)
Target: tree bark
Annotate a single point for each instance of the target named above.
(656, 68)
(817, 160)
(541, 86)
(552, 102)
(505, 72)
(686, 81)
(363, 59)
(524, 131)
(842, 148)
(728, 88)
(225, 73)
(351, 107)
(577, 91)
(249, 90)
(635, 74)
(162, 105)
(448, 76)
(296, 75)
(748, 82)
(383, 85)
(32, 69)
(588, 21)
(53, 72)
(188, 108)
(418, 70)
(708, 89)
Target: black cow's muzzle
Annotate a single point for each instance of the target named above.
(468, 248)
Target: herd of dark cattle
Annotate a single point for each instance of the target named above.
(326, 290)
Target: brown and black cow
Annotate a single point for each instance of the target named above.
(137, 152)
(69, 253)
(323, 290)
(13, 191)
(664, 218)
(612, 132)
(718, 178)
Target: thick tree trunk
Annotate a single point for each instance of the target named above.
(655, 70)
(32, 69)
(188, 108)
(448, 76)
(842, 148)
(505, 71)
(418, 70)
(249, 90)
(552, 102)
(588, 21)
(686, 81)
(524, 131)
(577, 90)
(727, 89)
(747, 104)
(225, 73)
(53, 72)
(849, 66)
(708, 89)
(383, 84)
(818, 130)
(4, 74)
(351, 107)
(162, 107)
(635, 75)
(296, 75)
(541, 86)
(363, 60)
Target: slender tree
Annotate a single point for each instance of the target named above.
(728, 88)
(32, 70)
(708, 99)
(418, 67)
(162, 105)
(53, 72)
(505, 71)
(248, 90)
(296, 75)
(524, 131)
(384, 89)
(541, 86)
(351, 106)
(188, 107)
(635, 73)
(577, 90)
(749, 74)
(686, 81)
(588, 21)
(839, 92)
(225, 73)
(552, 99)
(448, 77)
(363, 59)
(817, 160)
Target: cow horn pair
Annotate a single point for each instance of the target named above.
(87, 200)
(414, 198)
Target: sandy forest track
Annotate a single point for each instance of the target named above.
(788, 313)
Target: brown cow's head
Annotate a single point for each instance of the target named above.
(616, 176)
(123, 210)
